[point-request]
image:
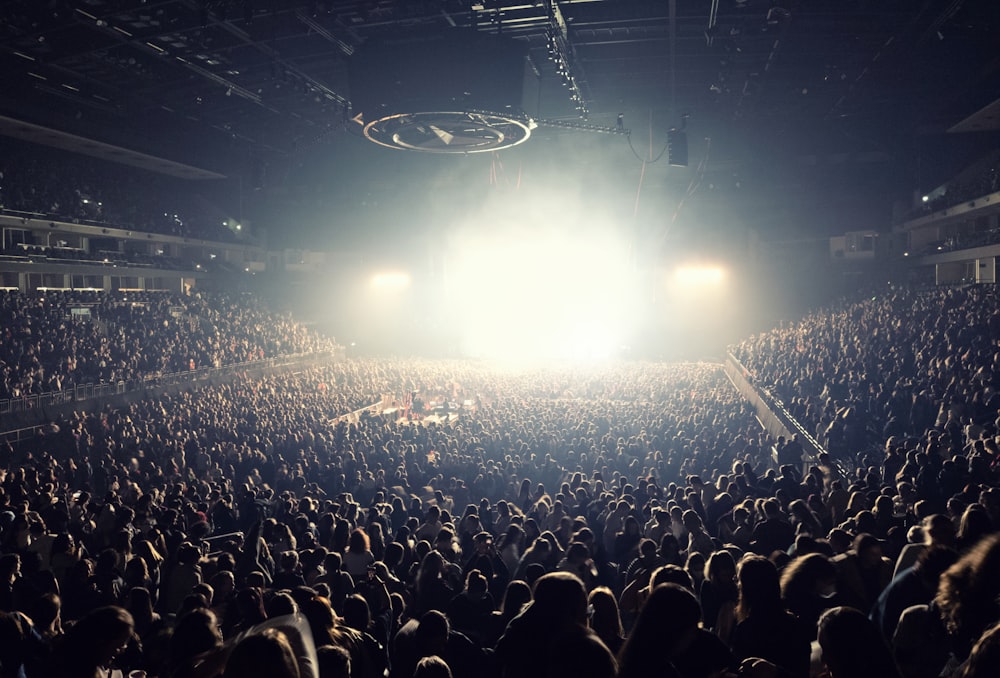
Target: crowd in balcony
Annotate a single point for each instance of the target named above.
(75, 255)
(44, 183)
(984, 182)
(134, 337)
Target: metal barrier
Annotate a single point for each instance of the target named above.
(17, 435)
(771, 410)
(85, 392)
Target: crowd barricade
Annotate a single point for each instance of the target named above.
(771, 411)
(84, 392)
(17, 435)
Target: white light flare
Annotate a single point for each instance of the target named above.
(525, 294)
(391, 281)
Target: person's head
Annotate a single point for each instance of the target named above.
(671, 574)
(939, 529)
(250, 604)
(289, 561)
(45, 612)
(476, 583)
(852, 646)
(868, 549)
(224, 584)
(196, 632)
(281, 604)
(432, 667)
(577, 553)
(759, 588)
(807, 577)
(432, 633)
(667, 623)
(358, 541)
(267, 653)
(695, 565)
(431, 565)
(357, 614)
(188, 554)
(333, 662)
(10, 567)
(975, 524)
(720, 569)
(605, 618)
(515, 597)
(99, 636)
(968, 594)
(670, 548)
(561, 598)
(691, 520)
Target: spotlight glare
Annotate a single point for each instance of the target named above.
(697, 276)
(391, 280)
(531, 295)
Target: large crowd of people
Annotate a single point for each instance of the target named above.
(626, 520)
(71, 256)
(54, 341)
(980, 184)
(890, 367)
(61, 186)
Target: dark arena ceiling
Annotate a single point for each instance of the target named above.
(203, 81)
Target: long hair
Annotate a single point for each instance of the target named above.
(669, 612)
(515, 597)
(431, 567)
(605, 619)
(798, 582)
(968, 592)
(359, 541)
(263, 654)
(760, 590)
(853, 646)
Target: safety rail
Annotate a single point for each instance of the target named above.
(775, 407)
(90, 391)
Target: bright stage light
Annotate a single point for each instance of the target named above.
(699, 276)
(529, 294)
(392, 280)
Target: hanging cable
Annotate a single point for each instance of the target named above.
(638, 190)
(692, 188)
